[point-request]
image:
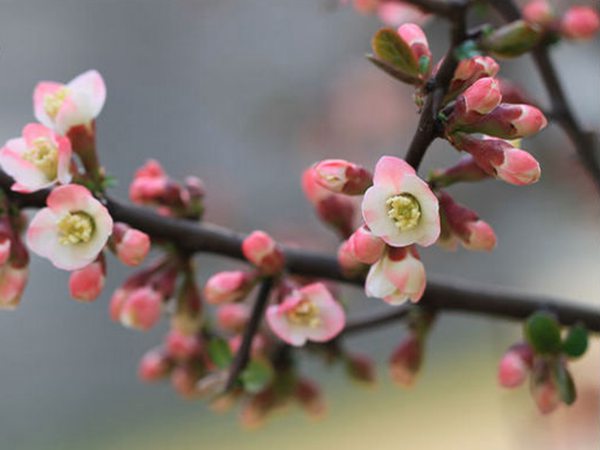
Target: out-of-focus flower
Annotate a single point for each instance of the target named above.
(12, 284)
(149, 183)
(406, 361)
(140, 309)
(36, 160)
(397, 277)
(580, 22)
(233, 317)
(86, 284)
(181, 346)
(230, 286)
(63, 106)
(400, 208)
(310, 313)
(539, 12)
(515, 365)
(132, 246)
(72, 230)
(154, 366)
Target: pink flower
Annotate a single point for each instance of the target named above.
(63, 106)
(233, 317)
(416, 40)
(12, 284)
(310, 313)
(86, 284)
(481, 97)
(397, 13)
(539, 12)
(406, 361)
(580, 22)
(181, 346)
(154, 366)
(469, 71)
(227, 287)
(515, 365)
(132, 245)
(37, 160)
(365, 246)
(72, 230)
(141, 309)
(399, 207)
(347, 260)
(342, 177)
(149, 182)
(397, 277)
(261, 250)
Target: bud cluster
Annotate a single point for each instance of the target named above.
(577, 23)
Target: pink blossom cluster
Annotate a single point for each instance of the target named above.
(576, 23)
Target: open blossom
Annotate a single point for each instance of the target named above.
(72, 230)
(310, 313)
(12, 284)
(63, 106)
(261, 250)
(87, 283)
(397, 277)
(399, 207)
(37, 160)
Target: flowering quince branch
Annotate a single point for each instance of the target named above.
(238, 357)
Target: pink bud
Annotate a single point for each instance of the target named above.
(405, 362)
(183, 380)
(482, 97)
(543, 387)
(133, 247)
(519, 168)
(262, 251)
(466, 170)
(308, 394)
(12, 284)
(233, 317)
(416, 40)
(512, 370)
(361, 368)
(154, 366)
(343, 177)
(116, 303)
(539, 12)
(365, 246)
(226, 287)
(580, 22)
(182, 346)
(149, 183)
(4, 250)
(481, 236)
(86, 284)
(347, 260)
(469, 71)
(141, 309)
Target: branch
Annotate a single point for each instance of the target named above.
(441, 294)
(438, 7)
(243, 354)
(585, 142)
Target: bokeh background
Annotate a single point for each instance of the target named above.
(246, 94)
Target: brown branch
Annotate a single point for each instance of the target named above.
(585, 142)
(243, 354)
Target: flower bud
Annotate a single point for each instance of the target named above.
(543, 387)
(12, 284)
(132, 246)
(233, 317)
(515, 365)
(262, 251)
(480, 98)
(466, 170)
(406, 360)
(86, 284)
(539, 12)
(580, 22)
(5, 246)
(154, 366)
(308, 394)
(512, 40)
(141, 309)
(343, 177)
(180, 346)
(365, 246)
(416, 40)
(183, 380)
(468, 72)
(347, 260)
(227, 287)
(361, 368)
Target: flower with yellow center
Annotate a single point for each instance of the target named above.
(306, 313)
(75, 228)
(400, 208)
(44, 155)
(54, 101)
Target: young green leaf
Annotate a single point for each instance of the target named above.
(542, 331)
(564, 383)
(220, 353)
(257, 375)
(576, 342)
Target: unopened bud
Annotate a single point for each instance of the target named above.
(515, 365)
(233, 317)
(141, 309)
(154, 366)
(539, 12)
(365, 246)
(308, 394)
(262, 251)
(86, 284)
(181, 346)
(132, 246)
(406, 360)
(343, 177)
(512, 40)
(227, 287)
(361, 368)
(580, 22)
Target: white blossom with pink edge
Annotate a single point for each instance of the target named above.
(399, 207)
(36, 160)
(62, 106)
(310, 313)
(397, 277)
(72, 230)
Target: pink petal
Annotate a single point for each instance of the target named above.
(92, 84)
(390, 171)
(33, 131)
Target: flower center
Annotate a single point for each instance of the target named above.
(75, 228)
(404, 210)
(53, 102)
(306, 313)
(43, 155)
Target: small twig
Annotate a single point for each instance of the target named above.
(243, 354)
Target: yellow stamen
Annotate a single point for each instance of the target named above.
(306, 313)
(75, 228)
(404, 210)
(43, 155)
(53, 102)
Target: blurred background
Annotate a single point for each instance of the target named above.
(246, 94)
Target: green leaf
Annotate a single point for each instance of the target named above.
(468, 49)
(220, 353)
(576, 342)
(542, 331)
(424, 64)
(564, 383)
(257, 375)
(391, 49)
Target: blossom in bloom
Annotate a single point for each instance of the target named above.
(140, 309)
(580, 22)
(63, 106)
(87, 283)
(72, 230)
(399, 207)
(365, 246)
(310, 313)
(406, 361)
(229, 286)
(515, 365)
(261, 250)
(342, 177)
(132, 246)
(12, 284)
(397, 277)
(154, 366)
(36, 160)
(500, 159)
